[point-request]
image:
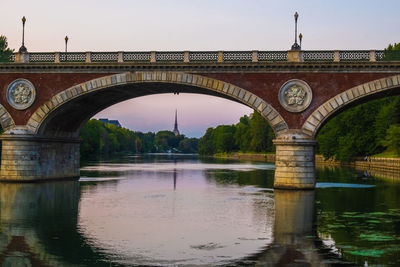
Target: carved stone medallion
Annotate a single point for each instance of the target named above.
(295, 95)
(21, 94)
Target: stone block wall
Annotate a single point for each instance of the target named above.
(31, 159)
(294, 164)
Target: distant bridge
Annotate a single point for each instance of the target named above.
(48, 97)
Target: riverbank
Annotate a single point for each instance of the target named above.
(392, 164)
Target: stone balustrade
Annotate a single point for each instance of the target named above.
(208, 56)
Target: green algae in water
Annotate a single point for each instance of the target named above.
(377, 213)
(376, 238)
(373, 221)
(349, 213)
(366, 253)
(334, 226)
(355, 216)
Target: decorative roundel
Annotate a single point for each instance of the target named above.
(21, 94)
(295, 95)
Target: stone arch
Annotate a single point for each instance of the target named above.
(349, 97)
(37, 122)
(6, 121)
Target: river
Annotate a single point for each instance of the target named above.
(173, 210)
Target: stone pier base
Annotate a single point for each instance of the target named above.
(27, 158)
(294, 163)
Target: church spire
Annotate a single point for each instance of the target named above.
(176, 131)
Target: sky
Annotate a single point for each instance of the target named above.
(202, 25)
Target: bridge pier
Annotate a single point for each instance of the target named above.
(27, 158)
(294, 162)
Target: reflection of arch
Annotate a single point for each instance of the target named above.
(66, 112)
(346, 99)
(6, 120)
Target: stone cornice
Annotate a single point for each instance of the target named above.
(248, 67)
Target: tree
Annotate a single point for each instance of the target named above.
(250, 134)
(392, 140)
(206, 143)
(5, 52)
(261, 134)
(392, 52)
(242, 134)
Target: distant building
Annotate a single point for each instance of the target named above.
(113, 122)
(176, 131)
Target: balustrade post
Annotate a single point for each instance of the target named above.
(254, 56)
(22, 57)
(88, 57)
(372, 56)
(120, 57)
(57, 57)
(220, 56)
(295, 56)
(153, 56)
(336, 56)
(186, 57)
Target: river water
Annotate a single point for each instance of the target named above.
(173, 210)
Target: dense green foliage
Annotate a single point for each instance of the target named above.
(103, 140)
(251, 134)
(360, 131)
(392, 52)
(392, 139)
(5, 52)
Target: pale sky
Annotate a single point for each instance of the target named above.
(165, 25)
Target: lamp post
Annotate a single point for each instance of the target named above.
(66, 43)
(23, 49)
(300, 38)
(295, 46)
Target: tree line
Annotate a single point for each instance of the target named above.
(104, 140)
(364, 130)
(251, 134)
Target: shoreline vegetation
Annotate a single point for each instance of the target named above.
(105, 141)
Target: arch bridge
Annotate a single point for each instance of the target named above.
(46, 98)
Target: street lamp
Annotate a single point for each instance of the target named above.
(300, 38)
(66, 43)
(295, 46)
(23, 49)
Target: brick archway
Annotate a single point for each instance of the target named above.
(340, 102)
(37, 122)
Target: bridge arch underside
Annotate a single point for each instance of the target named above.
(68, 119)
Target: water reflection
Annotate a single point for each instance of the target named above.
(30, 226)
(38, 226)
(217, 214)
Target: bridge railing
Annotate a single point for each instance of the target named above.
(208, 56)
